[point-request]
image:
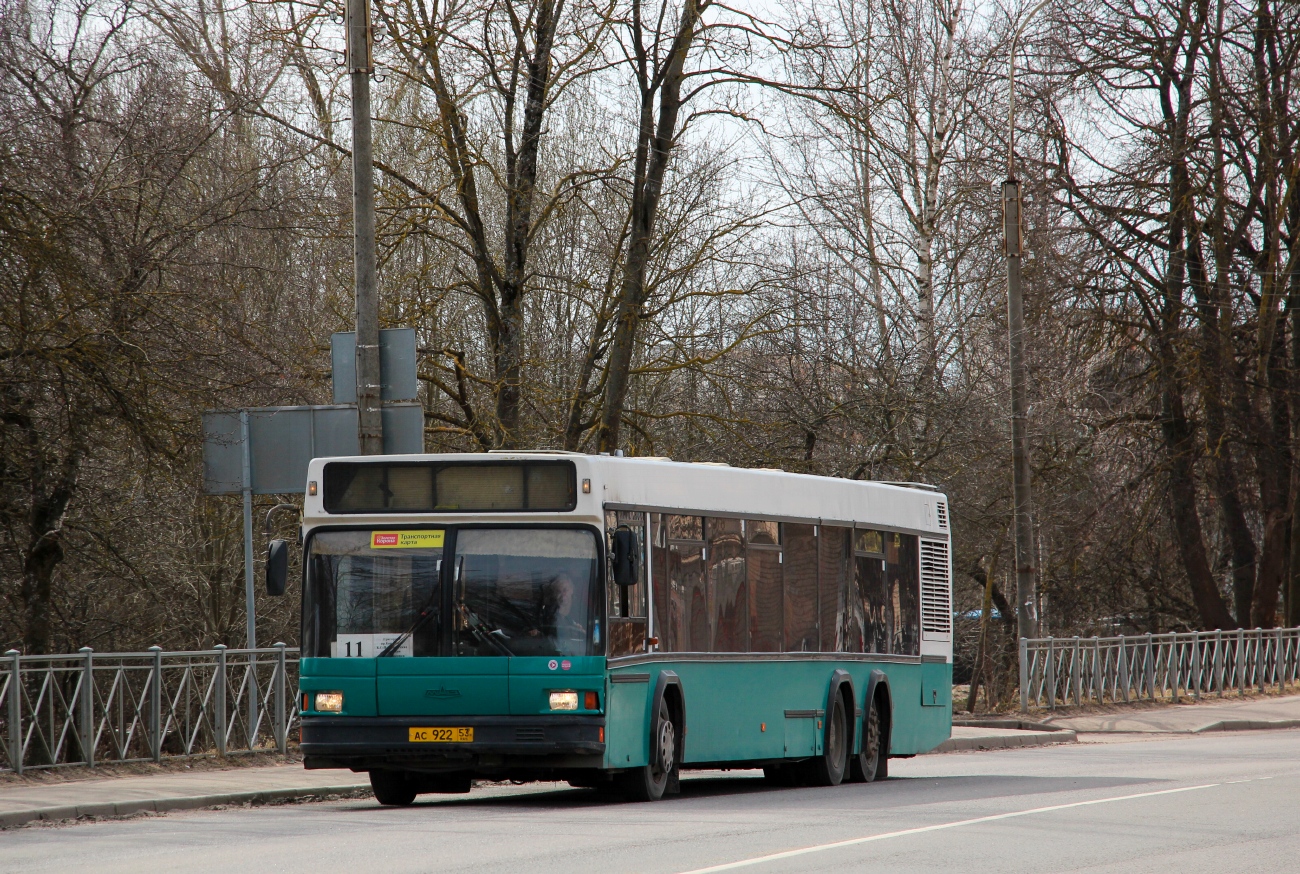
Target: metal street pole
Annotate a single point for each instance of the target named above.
(250, 599)
(370, 428)
(1022, 496)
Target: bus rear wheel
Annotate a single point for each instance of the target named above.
(828, 768)
(648, 783)
(392, 788)
(872, 763)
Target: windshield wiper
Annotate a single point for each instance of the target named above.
(494, 637)
(423, 616)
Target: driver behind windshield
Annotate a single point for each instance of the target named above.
(567, 627)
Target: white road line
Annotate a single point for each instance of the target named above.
(803, 851)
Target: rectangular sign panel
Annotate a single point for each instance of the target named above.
(396, 365)
(406, 540)
(284, 440)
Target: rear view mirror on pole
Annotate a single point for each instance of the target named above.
(626, 557)
(277, 567)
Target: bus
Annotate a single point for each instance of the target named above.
(611, 621)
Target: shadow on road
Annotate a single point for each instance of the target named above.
(891, 793)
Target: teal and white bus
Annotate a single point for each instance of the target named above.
(609, 621)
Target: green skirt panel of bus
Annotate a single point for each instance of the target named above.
(770, 709)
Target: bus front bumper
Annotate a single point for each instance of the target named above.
(363, 742)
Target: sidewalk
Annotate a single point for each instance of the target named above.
(1188, 717)
(177, 790)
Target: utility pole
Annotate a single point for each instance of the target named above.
(370, 426)
(1022, 495)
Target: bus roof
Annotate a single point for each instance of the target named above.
(705, 488)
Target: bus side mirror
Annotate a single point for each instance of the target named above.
(625, 557)
(277, 567)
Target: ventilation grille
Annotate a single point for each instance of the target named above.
(524, 735)
(941, 513)
(936, 591)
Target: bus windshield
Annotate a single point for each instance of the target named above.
(472, 592)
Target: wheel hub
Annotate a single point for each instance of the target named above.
(667, 745)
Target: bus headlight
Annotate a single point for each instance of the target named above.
(565, 700)
(329, 702)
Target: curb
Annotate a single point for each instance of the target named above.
(1006, 742)
(12, 818)
(1004, 722)
(1248, 725)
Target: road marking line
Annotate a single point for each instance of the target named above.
(789, 854)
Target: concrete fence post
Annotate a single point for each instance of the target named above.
(1176, 655)
(86, 705)
(1218, 662)
(15, 714)
(1279, 675)
(219, 703)
(155, 704)
(1240, 664)
(1049, 673)
(1196, 665)
(1149, 669)
(1261, 657)
(1123, 667)
(281, 725)
(1098, 682)
(1076, 674)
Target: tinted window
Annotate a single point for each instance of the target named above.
(523, 592)
(688, 607)
(727, 587)
(362, 487)
(800, 566)
(834, 559)
(766, 598)
(365, 590)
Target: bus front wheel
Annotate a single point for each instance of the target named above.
(648, 783)
(392, 788)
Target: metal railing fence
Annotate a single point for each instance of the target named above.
(88, 708)
(1067, 671)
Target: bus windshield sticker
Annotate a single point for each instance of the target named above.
(406, 539)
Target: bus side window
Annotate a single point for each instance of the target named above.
(801, 590)
(687, 622)
(834, 558)
(903, 578)
(728, 592)
(626, 609)
(660, 590)
(766, 587)
(636, 594)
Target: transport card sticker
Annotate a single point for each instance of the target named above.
(552, 664)
(406, 539)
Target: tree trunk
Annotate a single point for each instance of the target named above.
(654, 148)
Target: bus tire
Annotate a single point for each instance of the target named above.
(651, 781)
(872, 763)
(828, 768)
(392, 788)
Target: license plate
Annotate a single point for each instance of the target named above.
(442, 735)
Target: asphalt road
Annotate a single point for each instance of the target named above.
(1224, 803)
